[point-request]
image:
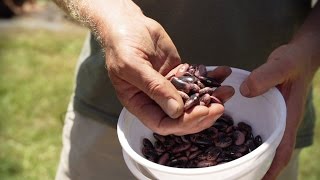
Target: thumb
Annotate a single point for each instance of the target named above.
(268, 75)
(157, 87)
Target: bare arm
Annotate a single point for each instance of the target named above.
(308, 36)
(99, 15)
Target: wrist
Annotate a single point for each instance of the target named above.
(308, 44)
(308, 37)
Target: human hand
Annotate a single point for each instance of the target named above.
(139, 53)
(290, 68)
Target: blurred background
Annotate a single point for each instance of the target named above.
(39, 47)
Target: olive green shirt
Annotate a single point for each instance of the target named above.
(239, 34)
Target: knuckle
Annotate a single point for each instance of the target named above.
(154, 87)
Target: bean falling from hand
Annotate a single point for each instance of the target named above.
(222, 142)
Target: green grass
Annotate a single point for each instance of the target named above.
(309, 161)
(36, 81)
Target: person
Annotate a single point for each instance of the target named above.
(134, 44)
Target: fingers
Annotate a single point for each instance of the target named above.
(166, 56)
(153, 117)
(268, 75)
(194, 120)
(220, 73)
(224, 93)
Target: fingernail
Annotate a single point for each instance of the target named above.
(244, 89)
(173, 108)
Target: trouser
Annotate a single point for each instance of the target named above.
(91, 151)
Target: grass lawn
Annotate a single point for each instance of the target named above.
(36, 80)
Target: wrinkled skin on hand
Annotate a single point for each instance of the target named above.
(290, 69)
(139, 54)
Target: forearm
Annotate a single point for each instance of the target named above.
(98, 15)
(308, 37)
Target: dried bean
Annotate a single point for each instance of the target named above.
(223, 142)
(205, 99)
(192, 79)
(180, 147)
(183, 95)
(181, 85)
(220, 143)
(194, 154)
(164, 158)
(147, 143)
(188, 79)
(244, 126)
(182, 70)
(192, 101)
(206, 90)
(159, 137)
(158, 146)
(258, 140)
(206, 163)
(239, 137)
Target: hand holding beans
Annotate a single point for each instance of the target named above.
(202, 94)
(139, 55)
(198, 87)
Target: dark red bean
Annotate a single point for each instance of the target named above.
(213, 153)
(181, 71)
(201, 157)
(183, 95)
(193, 148)
(194, 88)
(258, 140)
(164, 158)
(188, 79)
(158, 146)
(181, 85)
(210, 82)
(192, 101)
(223, 142)
(180, 147)
(147, 143)
(169, 143)
(185, 138)
(206, 90)
(206, 163)
(150, 154)
(200, 84)
(215, 100)
(227, 119)
(203, 140)
(239, 137)
(206, 99)
(250, 144)
(194, 154)
(178, 139)
(159, 137)
(244, 126)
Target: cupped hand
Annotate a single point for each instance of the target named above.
(290, 69)
(139, 53)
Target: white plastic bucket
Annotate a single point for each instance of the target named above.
(266, 114)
